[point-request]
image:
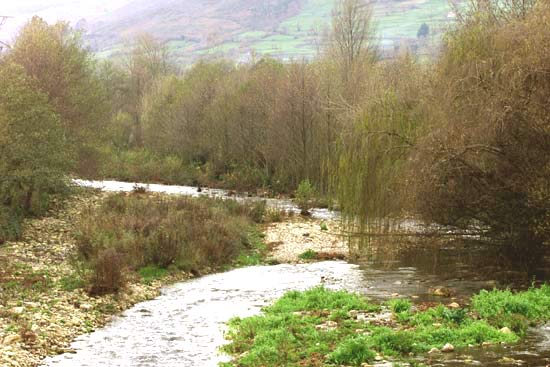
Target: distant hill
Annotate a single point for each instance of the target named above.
(236, 28)
(233, 29)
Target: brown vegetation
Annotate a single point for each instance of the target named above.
(485, 158)
(139, 230)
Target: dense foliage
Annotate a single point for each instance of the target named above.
(142, 232)
(34, 155)
(462, 140)
(485, 157)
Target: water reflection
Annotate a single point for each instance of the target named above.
(417, 265)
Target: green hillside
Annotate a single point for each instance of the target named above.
(281, 28)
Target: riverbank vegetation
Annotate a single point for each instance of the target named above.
(153, 234)
(320, 327)
(460, 140)
(97, 254)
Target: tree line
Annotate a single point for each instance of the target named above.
(461, 140)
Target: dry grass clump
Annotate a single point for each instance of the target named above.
(134, 231)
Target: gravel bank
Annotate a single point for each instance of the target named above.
(40, 312)
(291, 238)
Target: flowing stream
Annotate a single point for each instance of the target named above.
(185, 325)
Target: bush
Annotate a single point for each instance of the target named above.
(140, 165)
(10, 224)
(107, 276)
(305, 194)
(153, 231)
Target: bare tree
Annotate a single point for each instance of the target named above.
(352, 30)
(147, 62)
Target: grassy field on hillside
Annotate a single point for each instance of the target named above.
(298, 35)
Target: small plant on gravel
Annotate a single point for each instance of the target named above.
(400, 305)
(305, 193)
(107, 275)
(274, 215)
(324, 226)
(308, 255)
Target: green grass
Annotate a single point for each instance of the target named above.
(316, 328)
(71, 282)
(151, 273)
(255, 251)
(308, 255)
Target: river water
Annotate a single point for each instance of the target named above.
(184, 326)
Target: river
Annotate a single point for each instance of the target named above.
(184, 326)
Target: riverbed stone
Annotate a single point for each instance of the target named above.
(11, 339)
(448, 348)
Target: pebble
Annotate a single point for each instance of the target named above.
(447, 348)
(11, 339)
(453, 305)
(506, 330)
(18, 310)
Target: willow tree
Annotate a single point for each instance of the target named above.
(368, 178)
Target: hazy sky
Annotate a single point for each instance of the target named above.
(52, 10)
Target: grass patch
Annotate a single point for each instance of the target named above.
(151, 273)
(255, 250)
(308, 255)
(320, 327)
(71, 282)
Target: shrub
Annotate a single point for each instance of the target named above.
(305, 193)
(10, 224)
(155, 231)
(107, 276)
